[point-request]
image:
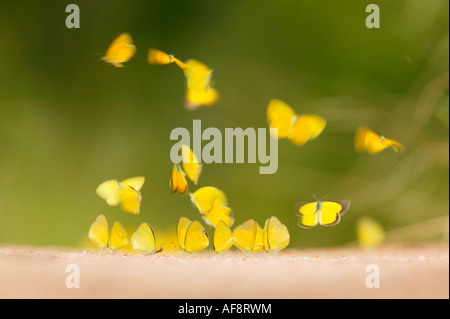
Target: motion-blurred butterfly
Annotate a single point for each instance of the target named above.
(192, 236)
(191, 165)
(126, 193)
(199, 91)
(248, 236)
(327, 213)
(212, 204)
(156, 56)
(178, 183)
(369, 232)
(99, 234)
(299, 129)
(276, 235)
(120, 50)
(143, 240)
(223, 237)
(368, 141)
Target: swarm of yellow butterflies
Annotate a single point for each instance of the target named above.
(248, 237)
(210, 201)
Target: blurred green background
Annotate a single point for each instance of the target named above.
(69, 121)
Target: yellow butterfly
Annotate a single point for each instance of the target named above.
(369, 232)
(120, 50)
(199, 91)
(198, 75)
(368, 141)
(192, 236)
(198, 98)
(327, 213)
(223, 237)
(212, 204)
(276, 235)
(143, 239)
(299, 129)
(248, 236)
(178, 181)
(99, 234)
(126, 193)
(156, 56)
(191, 165)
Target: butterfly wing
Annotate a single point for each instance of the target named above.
(119, 237)
(134, 182)
(198, 75)
(219, 213)
(223, 237)
(307, 213)
(99, 232)
(143, 239)
(396, 146)
(178, 181)
(191, 165)
(306, 127)
(368, 141)
(280, 116)
(108, 191)
(205, 198)
(182, 227)
(258, 245)
(331, 211)
(196, 238)
(276, 235)
(244, 235)
(120, 50)
(156, 56)
(198, 98)
(130, 200)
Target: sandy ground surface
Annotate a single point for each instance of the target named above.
(408, 272)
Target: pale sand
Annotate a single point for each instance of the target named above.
(408, 272)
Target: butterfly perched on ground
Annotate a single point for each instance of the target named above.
(143, 240)
(299, 129)
(126, 193)
(213, 205)
(368, 141)
(100, 236)
(223, 237)
(327, 213)
(248, 236)
(120, 50)
(275, 235)
(192, 236)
